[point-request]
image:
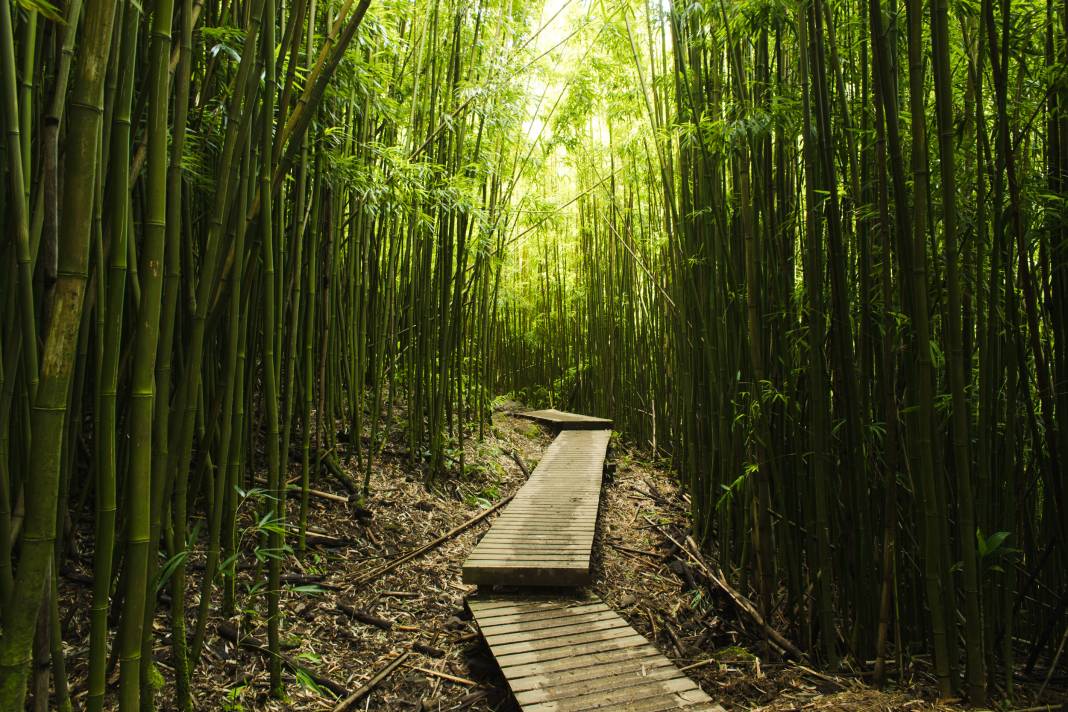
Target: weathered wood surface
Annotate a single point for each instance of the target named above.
(562, 420)
(559, 652)
(569, 654)
(545, 536)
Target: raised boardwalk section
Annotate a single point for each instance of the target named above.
(545, 536)
(562, 420)
(566, 651)
(578, 654)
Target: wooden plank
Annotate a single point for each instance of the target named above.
(603, 684)
(520, 542)
(529, 549)
(518, 634)
(564, 420)
(532, 600)
(534, 524)
(527, 575)
(591, 661)
(526, 511)
(504, 616)
(691, 701)
(529, 552)
(547, 622)
(627, 696)
(546, 566)
(578, 535)
(578, 654)
(532, 560)
(587, 501)
(522, 682)
(533, 644)
(547, 500)
(545, 536)
(501, 558)
(565, 653)
(583, 536)
(547, 525)
(565, 546)
(544, 619)
(533, 607)
(559, 514)
(525, 556)
(581, 521)
(560, 536)
(653, 697)
(537, 525)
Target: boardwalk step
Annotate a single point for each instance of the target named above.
(558, 652)
(545, 536)
(566, 421)
(580, 655)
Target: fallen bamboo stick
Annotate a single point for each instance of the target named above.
(365, 617)
(519, 462)
(294, 491)
(428, 650)
(743, 603)
(386, 568)
(372, 683)
(632, 550)
(445, 676)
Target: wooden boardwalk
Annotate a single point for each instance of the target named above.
(566, 652)
(577, 654)
(562, 420)
(545, 536)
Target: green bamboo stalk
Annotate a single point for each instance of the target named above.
(7, 581)
(817, 374)
(136, 662)
(18, 181)
(976, 673)
(111, 312)
(310, 317)
(49, 407)
(275, 478)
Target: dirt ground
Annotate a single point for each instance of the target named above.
(341, 628)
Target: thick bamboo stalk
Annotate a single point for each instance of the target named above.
(58, 358)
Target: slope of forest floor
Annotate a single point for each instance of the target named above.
(340, 631)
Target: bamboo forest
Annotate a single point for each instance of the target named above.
(283, 282)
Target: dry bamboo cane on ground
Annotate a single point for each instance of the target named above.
(386, 568)
(371, 684)
(743, 603)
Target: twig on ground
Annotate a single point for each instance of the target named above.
(371, 684)
(386, 568)
(701, 663)
(826, 678)
(428, 650)
(632, 550)
(522, 466)
(365, 617)
(445, 676)
(743, 603)
(471, 698)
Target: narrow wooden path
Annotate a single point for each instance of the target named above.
(575, 654)
(566, 652)
(545, 536)
(562, 420)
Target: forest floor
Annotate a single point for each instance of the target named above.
(340, 633)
